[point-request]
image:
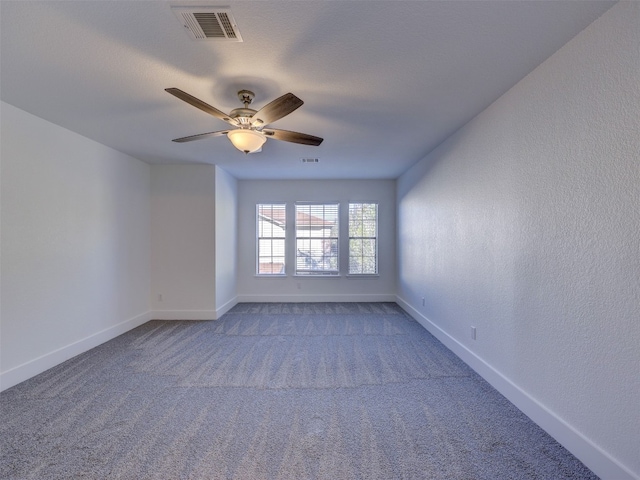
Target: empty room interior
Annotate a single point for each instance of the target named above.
(393, 239)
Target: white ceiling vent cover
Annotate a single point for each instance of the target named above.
(208, 23)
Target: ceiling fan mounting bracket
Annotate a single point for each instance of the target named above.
(246, 97)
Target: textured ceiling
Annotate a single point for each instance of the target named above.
(384, 82)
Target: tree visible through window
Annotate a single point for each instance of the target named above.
(317, 239)
(363, 238)
(271, 229)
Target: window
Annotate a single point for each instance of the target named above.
(363, 238)
(317, 239)
(271, 229)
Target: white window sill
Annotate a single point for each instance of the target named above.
(271, 275)
(363, 275)
(318, 276)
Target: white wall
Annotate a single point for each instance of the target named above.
(74, 241)
(302, 289)
(526, 225)
(183, 263)
(226, 224)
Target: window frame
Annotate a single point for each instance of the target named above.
(362, 237)
(260, 216)
(334, 241)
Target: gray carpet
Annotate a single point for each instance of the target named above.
(273, 391)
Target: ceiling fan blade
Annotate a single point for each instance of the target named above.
(201, 136)
(293, 137)
(275, 110)
(205, 107)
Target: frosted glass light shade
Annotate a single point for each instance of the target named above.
(247, 141)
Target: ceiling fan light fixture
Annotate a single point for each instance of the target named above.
(247, 141)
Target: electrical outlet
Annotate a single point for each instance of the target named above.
(473, 333)
(159, 297)
(298, 285)
(423, 302)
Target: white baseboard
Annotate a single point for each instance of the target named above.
(226, 307)
(599, 461)
(38, 365)
(184, 315)
(194, 314)
(374, 297)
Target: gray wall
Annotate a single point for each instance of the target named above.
(183, 264)
(75, 244)
(193, 242)
(526, 225)
(226, 252)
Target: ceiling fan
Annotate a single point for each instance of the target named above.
(250, 134)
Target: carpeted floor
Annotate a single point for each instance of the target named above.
(273, 391)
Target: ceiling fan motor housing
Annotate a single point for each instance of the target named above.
(243, 115)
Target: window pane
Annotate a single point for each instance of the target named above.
(355, 247)
(369, 227)
(363, 233)
(354, 265)
(271, 232)
(277, 231)
(369, 266)
(277, 245)
(267, 229)
(369, 248)
(264, 247)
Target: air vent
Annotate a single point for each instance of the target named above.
(310, 160)
(208, 23)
